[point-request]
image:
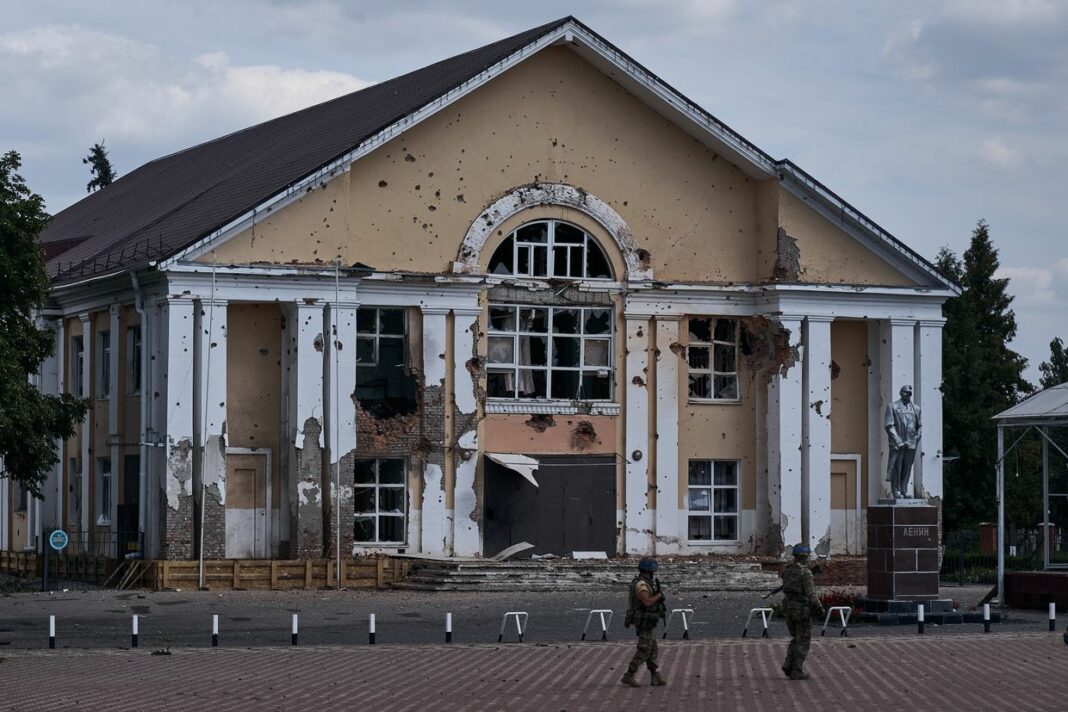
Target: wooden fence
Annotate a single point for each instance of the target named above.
(245, 574)
(19, 563)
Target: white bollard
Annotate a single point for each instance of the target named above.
(133, 633)
(919, 618)
(371, 629)
(448, 627)
(1052, 617)
(51, 632)
(294, 639)
(986, 617)
(215, 630)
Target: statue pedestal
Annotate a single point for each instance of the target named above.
(903, 552)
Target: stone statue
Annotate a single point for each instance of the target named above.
(902, 423)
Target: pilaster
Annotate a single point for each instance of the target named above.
(307, 360)
(211, 350)
(466, 514)
(341, 433)
(784, 420)
(669, 532)
(431, 538)
(816, 463)
(928, 392)
(639, 516)
(176, 535)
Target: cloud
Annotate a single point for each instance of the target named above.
(96, 84)
(1032, 286)
(1005, 12)
(999, 154)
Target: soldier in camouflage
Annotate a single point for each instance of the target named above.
(799, 605)
(644, 610)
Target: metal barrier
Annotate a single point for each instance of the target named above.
(844, 612)
(683, 614)
(766, 615)
(604, 623)
(520, 627)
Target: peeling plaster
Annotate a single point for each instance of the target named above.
(787, 258)
(309, 493)
(179, 471)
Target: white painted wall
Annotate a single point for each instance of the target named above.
(670, 534)
(640, 522)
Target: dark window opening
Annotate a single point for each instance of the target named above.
(384, 384)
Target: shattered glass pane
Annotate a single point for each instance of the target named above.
(364, 501)
(531, 383)
(726, 329)
(726, 501)
(535, 232)
(391, 529)
(365, 472)
(565, 384)
(565, 351)
(697, 356)
(598, 321)
(700, 473)
(364, 529)
(534, 320)
(597, 266)
(541, 261)
(727, 387)
(365, 351)
(596, 386)
(698, 499)
(700, 529)
(724, 357)
(391, 499)
(503, 257)
(500, 384)
(700, 385)
(701, 330)
(533, 351)
(569, 233)
(726, 473)
(566, 321)
(560, 262)
(726, 528)
(502, 318)
(367, 321)
(391, 472)
(392, 321)
(522, 260)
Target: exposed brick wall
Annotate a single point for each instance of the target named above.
(176, 535)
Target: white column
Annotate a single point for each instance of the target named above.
(467, 536)
(306, 430)
(178, 439)
(816, 462)
(212, 347)
(5, 513)
(639, 517)
(928, 392)
(428, 534)
(342, 421)
(118, 390)
(88, 355)
(669, 531)
(785, 401)
(875, 460)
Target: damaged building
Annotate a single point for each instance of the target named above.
(528, 293)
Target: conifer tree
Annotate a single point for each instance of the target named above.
(1054, 371)
(100, 165)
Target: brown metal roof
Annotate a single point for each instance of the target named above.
(171, 202)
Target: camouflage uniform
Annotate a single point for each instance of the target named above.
(645, 624)
(801, 601)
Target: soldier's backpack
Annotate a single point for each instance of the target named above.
(633, 606)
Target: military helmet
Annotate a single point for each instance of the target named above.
(802, 550)
(647, 565)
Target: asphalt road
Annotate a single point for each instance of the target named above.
(102, 619)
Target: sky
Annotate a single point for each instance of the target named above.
(926, 115)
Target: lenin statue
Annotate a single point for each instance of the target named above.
(902, 423)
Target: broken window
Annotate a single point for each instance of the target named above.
(381, 495)
(712, 354)
(133, 360)
(104, 490)
(712, 500)
(77, 361)
(103, 364)
(560, 353)
(553, 249)
(384, 387)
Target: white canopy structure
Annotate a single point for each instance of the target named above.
(1045, 410)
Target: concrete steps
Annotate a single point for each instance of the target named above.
(568, 575)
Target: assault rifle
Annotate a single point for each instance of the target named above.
(660, 608)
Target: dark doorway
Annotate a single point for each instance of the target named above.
(127, 528)
(573, 508)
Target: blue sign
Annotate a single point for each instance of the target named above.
(58, 539)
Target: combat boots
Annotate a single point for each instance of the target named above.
(628, 679)
(657, 680)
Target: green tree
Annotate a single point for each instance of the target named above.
(100, 165)
(1054, 371)
(981, 376)
(29, 420)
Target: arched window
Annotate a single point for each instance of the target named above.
(552, 249)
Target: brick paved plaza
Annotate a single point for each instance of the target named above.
(954, 672)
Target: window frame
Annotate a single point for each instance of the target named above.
(711, 371)
(550, 335)
(103, 364)
(551, 246)
(77, 366)
(711, 514)
(105, 484)
(377, 515)
(133, 360)
(377, 336)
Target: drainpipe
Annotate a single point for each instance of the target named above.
(142, 475)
